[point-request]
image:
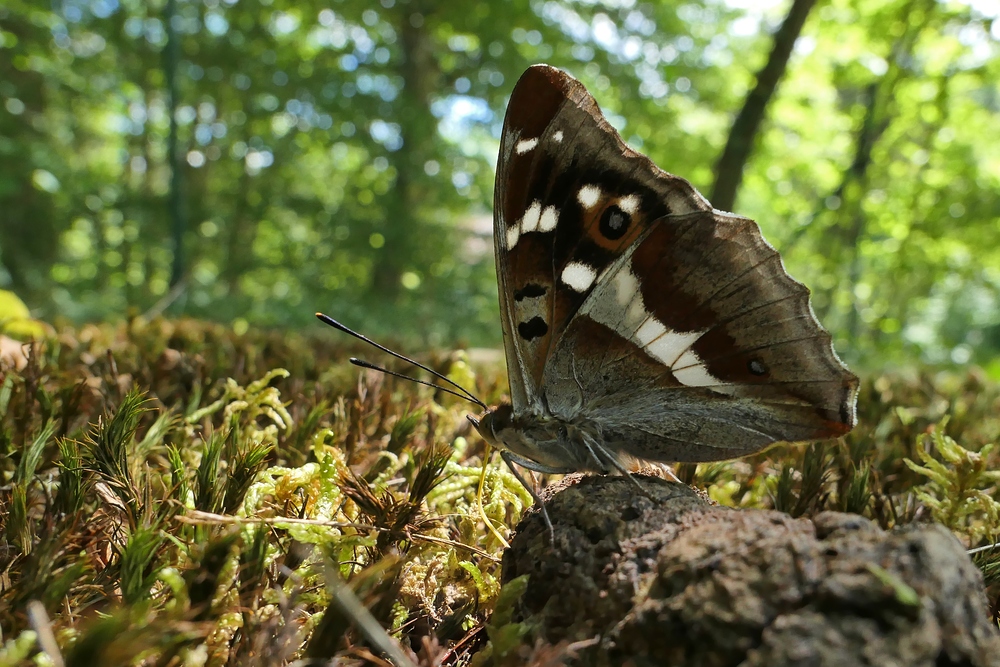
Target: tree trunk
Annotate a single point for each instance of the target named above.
(176, 203)
(729, 168)
(418, 132)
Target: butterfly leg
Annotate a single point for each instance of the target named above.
(594, 447)
(670, 471)
(508, 458)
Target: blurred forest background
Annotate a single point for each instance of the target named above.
(339, 155)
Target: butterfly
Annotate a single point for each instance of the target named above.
(638, 322)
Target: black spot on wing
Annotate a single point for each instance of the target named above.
(614, 223)
(757, 367)
(533, 328)
(530, 291)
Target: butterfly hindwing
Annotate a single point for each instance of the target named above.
(698, 346)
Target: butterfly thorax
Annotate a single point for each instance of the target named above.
(552, 444)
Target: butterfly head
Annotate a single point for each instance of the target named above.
(541, 443)
(492, 422)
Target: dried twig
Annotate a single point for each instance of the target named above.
(201, 518)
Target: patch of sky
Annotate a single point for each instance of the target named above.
(458, 113)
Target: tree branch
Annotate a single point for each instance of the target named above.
(729, 168)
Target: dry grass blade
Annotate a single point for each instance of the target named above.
(352, 607)
(42, 626)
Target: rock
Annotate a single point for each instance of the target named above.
(671, 580)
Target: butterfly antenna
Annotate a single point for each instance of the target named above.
(466, 394)
(361, 363)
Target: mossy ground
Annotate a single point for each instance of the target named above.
(172, 493)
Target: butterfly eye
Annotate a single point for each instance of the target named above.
(614, 223)
(757, 367)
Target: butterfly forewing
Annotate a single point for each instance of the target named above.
(564, 212)
(629, 303)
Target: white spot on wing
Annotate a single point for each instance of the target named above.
(513, 234)
(529, 222)
(558, 136)
(630, 204)
(617, 303)
(634, 314)
(549, 219)
(650, 330)
(671, 345)
(691, 371)
(589, 195)
(689, 358)
(626, 287)
(578, 276)
(525, 145)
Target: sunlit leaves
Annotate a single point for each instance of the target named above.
(343, 153)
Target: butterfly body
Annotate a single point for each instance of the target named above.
(638, 322)
(544, 442)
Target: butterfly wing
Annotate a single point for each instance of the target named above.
(697, 345)
(629, 302)
(555, 192)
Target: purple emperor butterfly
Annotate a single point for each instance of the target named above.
(638, 322)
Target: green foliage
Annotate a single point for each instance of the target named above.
(69, 497)
(503, 499)
(796, 496)
(506, 636)
(178, 523)
(340, 155)
(15, 318)
(959, 487)
(17, 522)
(17, 649)
(857, 494)
(137, 564)
(108, 455)
(248, 405)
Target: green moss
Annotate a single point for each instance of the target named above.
(174, 489)
(960, 488)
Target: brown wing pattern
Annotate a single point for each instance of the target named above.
(570, 197)
(714, 349)
(628, 301)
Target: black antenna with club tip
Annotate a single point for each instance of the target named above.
(466, 394)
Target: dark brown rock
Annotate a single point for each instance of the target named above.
(672, 580)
